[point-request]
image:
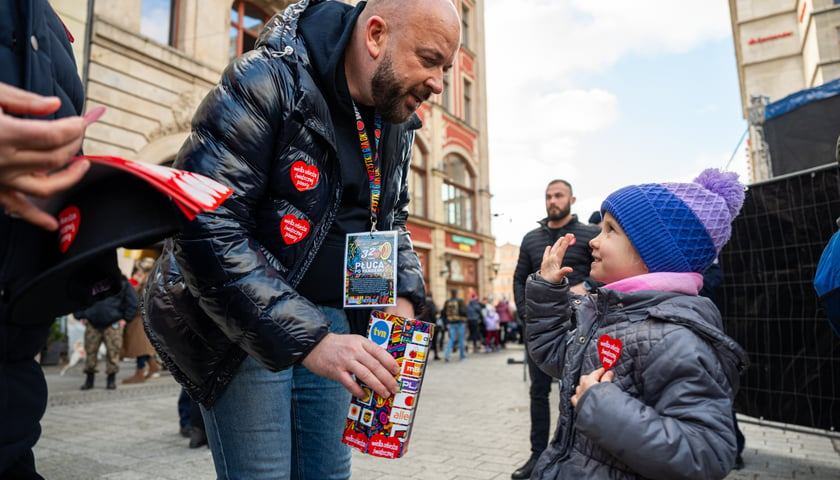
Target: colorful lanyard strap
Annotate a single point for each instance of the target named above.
(371, 162)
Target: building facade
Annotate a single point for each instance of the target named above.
(151, 62)
(781, 47)
(507, 256)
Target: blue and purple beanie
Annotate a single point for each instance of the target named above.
(679, 227)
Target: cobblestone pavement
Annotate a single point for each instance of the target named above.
(472, 423)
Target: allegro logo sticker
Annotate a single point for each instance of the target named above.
(400, 416)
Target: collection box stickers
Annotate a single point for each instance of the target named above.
(381, 426)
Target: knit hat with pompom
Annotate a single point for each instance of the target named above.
(679, 227)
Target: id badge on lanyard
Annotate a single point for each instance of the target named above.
(370, 269)
(370, 258)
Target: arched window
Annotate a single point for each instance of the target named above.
(246, 23)
(417, 183)
(458, 193)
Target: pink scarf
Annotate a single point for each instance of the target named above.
(688, 282)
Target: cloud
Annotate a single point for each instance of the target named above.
(547, 117)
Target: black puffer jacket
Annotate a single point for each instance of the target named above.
(122, 306)
(252, 131)
(578, 256)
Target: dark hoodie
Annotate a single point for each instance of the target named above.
(326, 28)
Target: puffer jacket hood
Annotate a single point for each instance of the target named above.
(321, 29)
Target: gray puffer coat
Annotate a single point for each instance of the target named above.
(668, 412)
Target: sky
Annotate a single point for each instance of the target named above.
(605, 94)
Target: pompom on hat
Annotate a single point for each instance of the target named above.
(679, 227)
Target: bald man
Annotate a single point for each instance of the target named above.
(260, 336)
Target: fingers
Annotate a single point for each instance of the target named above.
(348, 382)
(340, 357)
(22, 102)
(41, 185)
(17, 205)
(377, 370)
(586, 381)
(39, 144)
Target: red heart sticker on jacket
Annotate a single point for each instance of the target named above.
(304, 176)
(68, 227)
(609, 350)
(293, 229)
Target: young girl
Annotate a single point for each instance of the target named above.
(663, 406)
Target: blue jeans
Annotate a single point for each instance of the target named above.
(286, 424)
(455, 330)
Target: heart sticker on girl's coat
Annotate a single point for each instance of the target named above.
(68, 227)
(293, 229)
(609, 349)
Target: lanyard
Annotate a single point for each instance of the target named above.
(371, 161)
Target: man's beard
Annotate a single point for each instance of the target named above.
(389, 96)
(559, 213)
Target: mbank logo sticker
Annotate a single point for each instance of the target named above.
(380, 331)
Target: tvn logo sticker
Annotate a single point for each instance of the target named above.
(405, 400)
(415, 352)
(420, 338)
(380, 332)
(412, 369)
(400, 416)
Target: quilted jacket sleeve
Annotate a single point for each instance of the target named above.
(682, 429)
(548, 323)
(236, 282)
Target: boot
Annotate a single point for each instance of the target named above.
(197, 437)
(138, 377)
(525, 470)
(111, 384)
(154, 368)
(88, 382)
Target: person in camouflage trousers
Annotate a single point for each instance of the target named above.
(104, 322)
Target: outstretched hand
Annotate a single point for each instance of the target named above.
(552, 268)
(340, 357)
(586, 381)
(32, 152)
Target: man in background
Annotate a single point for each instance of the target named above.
(558, 222)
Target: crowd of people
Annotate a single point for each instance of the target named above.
(246, 305)
(482, 325)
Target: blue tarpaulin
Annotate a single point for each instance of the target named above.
(800, 98)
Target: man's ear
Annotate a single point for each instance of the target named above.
(375, 36)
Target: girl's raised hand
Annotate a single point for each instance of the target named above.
(552, 268)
